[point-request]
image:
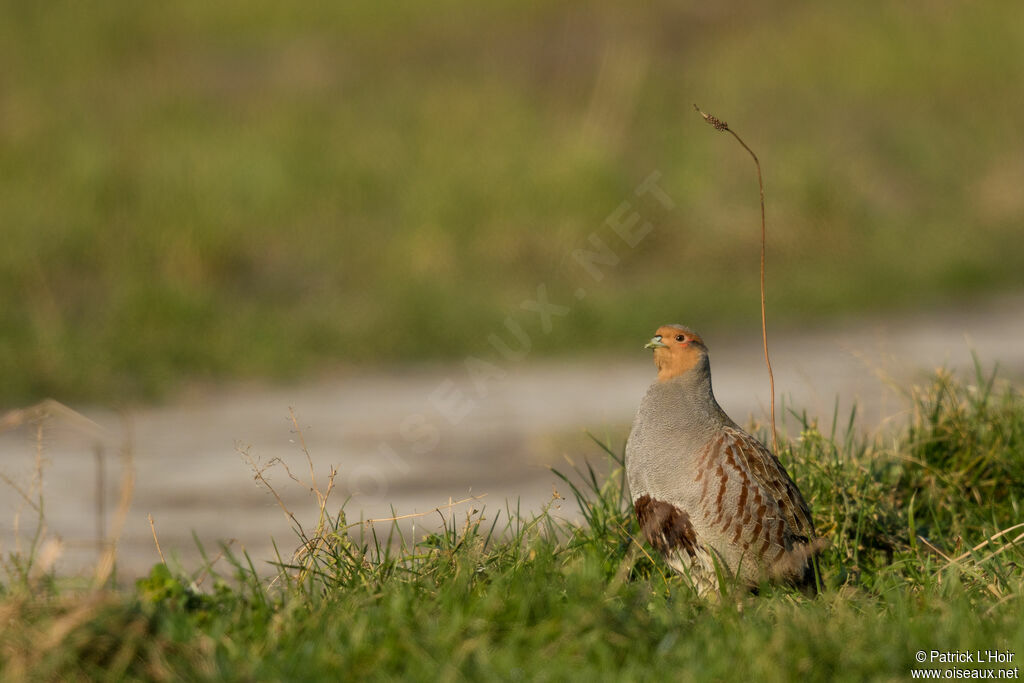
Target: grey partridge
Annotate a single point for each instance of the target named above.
(704, 491)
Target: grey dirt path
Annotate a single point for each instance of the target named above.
(414, 439)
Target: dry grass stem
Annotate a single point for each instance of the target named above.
(258, 474)
(48, 409)
(310, 542)
(720, 125)
(928, 544)
(156, 541)
(413, 515)
(208, 568)
(321, 496)
(984, 543)
(105, 565)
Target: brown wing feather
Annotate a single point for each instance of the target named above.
(768, 472)
(753, 504)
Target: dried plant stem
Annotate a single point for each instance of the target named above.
(105, 565)
(152, 527)
(101, 498)
(258, 475)
(322, 496)
(37, 487)
(984, 543)
(412, 515)
(42, 551)
(718, 124)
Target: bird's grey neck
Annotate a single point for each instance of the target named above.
(692, 394)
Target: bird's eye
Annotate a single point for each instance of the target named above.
(680, 338)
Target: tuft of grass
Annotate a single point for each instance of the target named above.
(926, 554)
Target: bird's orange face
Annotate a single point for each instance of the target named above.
(677, 350)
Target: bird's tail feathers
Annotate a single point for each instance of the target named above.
(798, 562)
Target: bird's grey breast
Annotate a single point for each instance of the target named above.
(669, 431)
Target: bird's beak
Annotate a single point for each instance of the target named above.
(655, 343)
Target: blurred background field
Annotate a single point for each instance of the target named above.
(196, 191)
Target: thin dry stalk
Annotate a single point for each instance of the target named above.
(928, 544)
(46, 409)
(984, 543)
(33, 494)
(208, 569)
(152, 527)
(105, 566)
(321, 496)
(26, 495)
(413, 515)
(99, 458)
(302, 443)
(258, 475)
(37, 486)
(720, 125)
(310, 542)
(42, 552)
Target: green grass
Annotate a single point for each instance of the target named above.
(197, 191)
(494, 595)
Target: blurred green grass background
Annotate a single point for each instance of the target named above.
(229, 190)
